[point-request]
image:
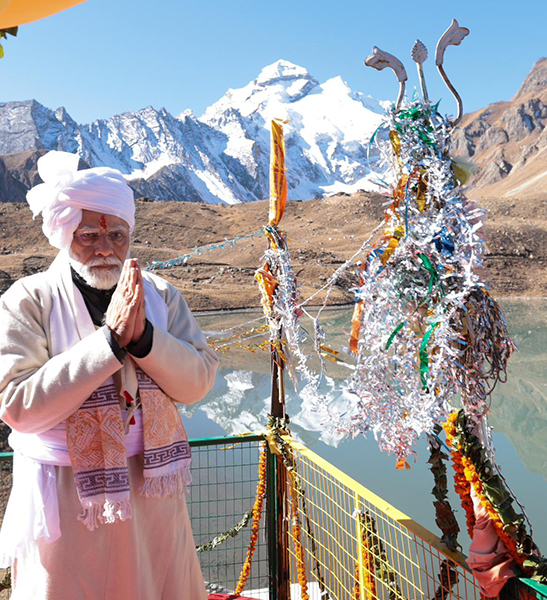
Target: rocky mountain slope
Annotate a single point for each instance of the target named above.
(223, 156)
(508, 141)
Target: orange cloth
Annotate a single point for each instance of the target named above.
(488, 558)
(278, 179)
(19, 12)
(355, 327)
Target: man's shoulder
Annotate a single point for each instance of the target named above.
(162, 286)
(32, 286)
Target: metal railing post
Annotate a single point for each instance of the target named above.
(278, 534)
(271, 524)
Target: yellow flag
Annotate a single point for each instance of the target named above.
(278, 180)
(19, 12)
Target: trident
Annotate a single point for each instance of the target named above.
(453, 36)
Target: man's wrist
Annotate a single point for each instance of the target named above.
(141, 348)
(117, 350)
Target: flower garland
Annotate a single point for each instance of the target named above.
(472, 465)
(368, 564)
(297, 537)
(277, 427)
(461, 483)
(257, 514)
(444, 515)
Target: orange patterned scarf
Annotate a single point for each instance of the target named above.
(96, 444)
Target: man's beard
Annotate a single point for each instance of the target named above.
(100, 279)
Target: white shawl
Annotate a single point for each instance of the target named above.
(33, 509)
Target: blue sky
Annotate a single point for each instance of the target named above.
(107, 56)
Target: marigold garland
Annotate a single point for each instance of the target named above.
(277, 428)
(368, 564)
(462, 485)
(257, 513)
(472, 468)
(299, 549)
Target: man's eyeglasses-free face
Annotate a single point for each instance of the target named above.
(92, 238)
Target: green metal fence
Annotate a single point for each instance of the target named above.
(225, 473)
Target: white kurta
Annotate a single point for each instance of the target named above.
(151, 556)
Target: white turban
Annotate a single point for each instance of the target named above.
(67, 191)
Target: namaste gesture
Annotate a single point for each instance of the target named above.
(125, 315)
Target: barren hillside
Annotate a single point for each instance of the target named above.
(322, 234)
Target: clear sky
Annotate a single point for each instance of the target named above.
(104, 57)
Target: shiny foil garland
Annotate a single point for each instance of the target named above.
(280, 302)
(427, 326)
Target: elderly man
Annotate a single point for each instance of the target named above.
(94, 356)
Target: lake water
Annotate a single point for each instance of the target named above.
(240, 402)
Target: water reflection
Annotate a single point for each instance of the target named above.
(240, 402)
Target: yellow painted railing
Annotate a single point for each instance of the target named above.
(356, 545)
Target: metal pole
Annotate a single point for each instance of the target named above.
(271, 524)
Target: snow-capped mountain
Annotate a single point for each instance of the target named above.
(222, 156)
(327, 134)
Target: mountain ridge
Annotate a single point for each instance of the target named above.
(223, 155)
(508, 141)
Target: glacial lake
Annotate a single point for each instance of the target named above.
(240, 401)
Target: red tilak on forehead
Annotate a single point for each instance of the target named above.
(102, 222)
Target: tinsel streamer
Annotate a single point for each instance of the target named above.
(311, 394)
(281, 306)
(429, 327)
(237, 340)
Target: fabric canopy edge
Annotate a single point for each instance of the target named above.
(20, 12)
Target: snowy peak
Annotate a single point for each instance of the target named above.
(293, 80)
(222, 156)
(282, 70)
(282, 81)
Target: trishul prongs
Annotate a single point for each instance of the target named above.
(380, 60)
(419, 56)
(453, 36)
